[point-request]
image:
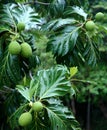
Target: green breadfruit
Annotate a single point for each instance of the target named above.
(90, 25)
(14, 48)
(25, 119)
(21, 26)
(99, 16)
(26, 50)
(37, 106)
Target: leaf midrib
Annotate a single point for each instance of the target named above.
(57, 117)
(55, 83)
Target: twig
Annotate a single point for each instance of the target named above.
(84, 81)
(36, 2)
(9, 89)
(30, 74)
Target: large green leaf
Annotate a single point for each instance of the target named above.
(28, 92)
(58, 23)
(65, 42)
(53, 82)
(80, 11)
(24, 91)
(12, 14)
(47, 83)
(76, 10)
(61, 118)
(91, 53)
(10, 72)
(57, 7)
(6, 16)
(27, 15)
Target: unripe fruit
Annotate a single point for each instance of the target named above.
(25, 119)
(21, 26)
(90, 25)
(26, 50)
(37, 106)
(14, 48)
(99, 16)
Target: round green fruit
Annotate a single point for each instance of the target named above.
(21, 26)
(99, 16)
(26, 50)
(14, 48)
(90, 25)
(37, 106)
(25, 119)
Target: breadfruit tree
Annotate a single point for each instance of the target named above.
(31, 99)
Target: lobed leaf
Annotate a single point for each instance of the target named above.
(80, 11)
(76, 10)
(60, 116)
(12, 14)
(58, 23)
(10, 72)
(65, 42)
(91, 52)
(53, 82)
(47, 83)
(24, 91)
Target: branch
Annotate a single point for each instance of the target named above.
(83, 81)
(36, 2)
(8, 89)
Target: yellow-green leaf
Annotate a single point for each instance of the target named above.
(73, 71)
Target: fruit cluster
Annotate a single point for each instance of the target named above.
(90, 25)
(26, 117)
(24, 48)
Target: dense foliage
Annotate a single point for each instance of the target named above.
(65, 28)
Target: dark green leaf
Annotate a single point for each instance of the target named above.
(91, 53)
(59, 23)
(76, 10)
(24, 91)
(60, 116)
(9, 69)
(65, 42)
(79, 11)
(12, 14)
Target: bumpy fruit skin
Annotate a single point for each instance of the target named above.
(14, 48)
(21, 26)
(90, 25)
(26, 50)
(37, 106)
(25, 119)
(99, 16)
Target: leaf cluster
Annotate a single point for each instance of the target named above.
(69, 40)
(14, 67)
(47, 86)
